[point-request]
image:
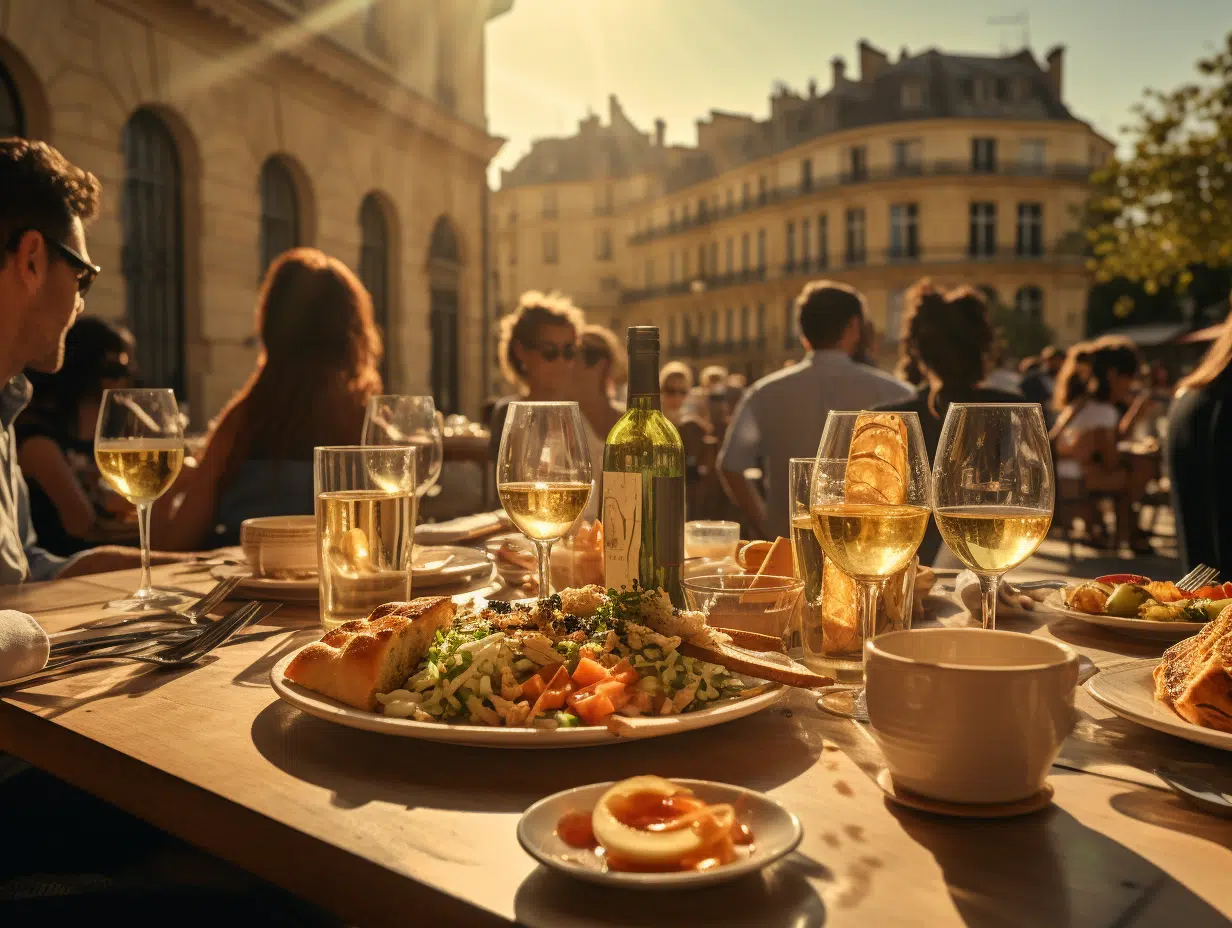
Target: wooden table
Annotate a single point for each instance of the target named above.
(385, 830)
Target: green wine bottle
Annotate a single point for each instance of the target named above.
(643, 482)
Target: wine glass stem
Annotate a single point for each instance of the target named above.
(544, 549)
(988, 597)
(868, 615)
(143, 528)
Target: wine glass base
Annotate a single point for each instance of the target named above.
(844, 702)
(153, 600)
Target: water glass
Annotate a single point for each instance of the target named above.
(713, 541)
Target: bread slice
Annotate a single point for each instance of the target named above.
(357, 660)
(778, 562)
(750, 653)
(1194, 676)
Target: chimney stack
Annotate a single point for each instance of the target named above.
(1056, 68)
(660, 132)
(872, 61)
(839, 69)
(812, 88)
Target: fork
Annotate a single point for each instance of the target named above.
(177, 654)
(193, 614)
(1197, 578)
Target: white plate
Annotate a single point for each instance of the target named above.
(437, 565)
(776, 833)
(1129, 690)
(1174, 630)
(483, 736)
(265, 588)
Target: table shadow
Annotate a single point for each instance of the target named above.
(257, 673)
(779, 895)
(1167, 810)
(1046, 868)
(142, 680)
(359, 767)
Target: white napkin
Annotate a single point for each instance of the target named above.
(465, 528)
(24, 646)
(967, 590)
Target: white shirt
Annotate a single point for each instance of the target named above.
(783, 414)
(1092, 415)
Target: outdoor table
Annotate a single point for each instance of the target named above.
(390, 831)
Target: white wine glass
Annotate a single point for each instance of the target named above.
(139, 447)
(408, 421)
(994, 489)
(543, 474)
(870, 500)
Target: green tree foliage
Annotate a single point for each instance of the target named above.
(1167, 206)
(1022, 335)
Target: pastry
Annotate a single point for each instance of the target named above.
(1194, 677)
(358, 659)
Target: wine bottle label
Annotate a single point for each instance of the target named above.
(622, 528)
(669, 520)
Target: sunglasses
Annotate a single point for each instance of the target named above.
(550, 351)
(592, 355)
(86, 272)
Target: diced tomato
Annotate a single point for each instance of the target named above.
(589, 672)
(624, 672)
(585, 692)
(533, 687)
(641, 700)
(554, 696)
(614, 690)
(594, 710)
(548, 671)
(1114, 579)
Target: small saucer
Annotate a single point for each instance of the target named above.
(1033, 803)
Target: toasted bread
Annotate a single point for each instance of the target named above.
(1194, 676)
(357, 660)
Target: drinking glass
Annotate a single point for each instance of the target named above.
(411, 421)
(365, 508)
(994, 489)
(139, 447)
(711, 540)
(870, 499)
(543, 474)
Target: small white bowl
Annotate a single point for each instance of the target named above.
(966, 715)
(280, 547)
(776, 833)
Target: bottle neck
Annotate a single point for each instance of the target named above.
(644, 380)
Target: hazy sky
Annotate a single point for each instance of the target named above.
(551, 60)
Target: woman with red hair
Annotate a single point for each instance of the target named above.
(319, 364)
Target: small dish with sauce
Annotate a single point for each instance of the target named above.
(651, 833)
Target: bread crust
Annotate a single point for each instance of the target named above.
(1194, 677)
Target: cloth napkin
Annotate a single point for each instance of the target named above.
(465, 528)
(967, 590)
(24, 646)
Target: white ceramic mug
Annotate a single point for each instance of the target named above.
(968, 715)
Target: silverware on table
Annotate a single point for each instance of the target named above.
(1199, 577)
(1196, 792)
(193, 614)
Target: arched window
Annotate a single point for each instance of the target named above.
(444, 266)
(153, 256)
(374, 260)
(280, 222)
(1029, 301)
(12, 119)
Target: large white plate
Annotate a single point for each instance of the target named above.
(776, 833)
(438, 565)
(1174, 630)
(1129, 690)
(482, 736)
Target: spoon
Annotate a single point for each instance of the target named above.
(1199, 794)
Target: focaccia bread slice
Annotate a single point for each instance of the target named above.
(357, 660)
(1194, 676)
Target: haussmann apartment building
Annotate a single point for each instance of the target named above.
(962, 168)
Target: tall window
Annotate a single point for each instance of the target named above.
(744, 323)
(1031, 153)
(789, 243)
(1029, 301)
(701, 210)
(904, 234)
(684, 263)
(280, 225)
(714, 259)
(984, 156)
(729, 326)
(763, 190)
(744, 252)
(1030, 230)
(982, 241)
(806, 174)
(374, 261)
(551, 247)
(806, 229)
(603, 200)
(745, 195)
(714, 326)
(12, 118)
(908, 156)
(857, 163)
(761, 251)
(671, 217)
(731, 255)
(731, 196)
(761, 321)
(549, 208)
(671, 268)
(823, 242)
(855, 236)
(445, 266)
(603, 245)
(153, 249)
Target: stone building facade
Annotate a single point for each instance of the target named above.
(225, 131)
(961, 168)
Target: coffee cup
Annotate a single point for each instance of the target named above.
(968, 715)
